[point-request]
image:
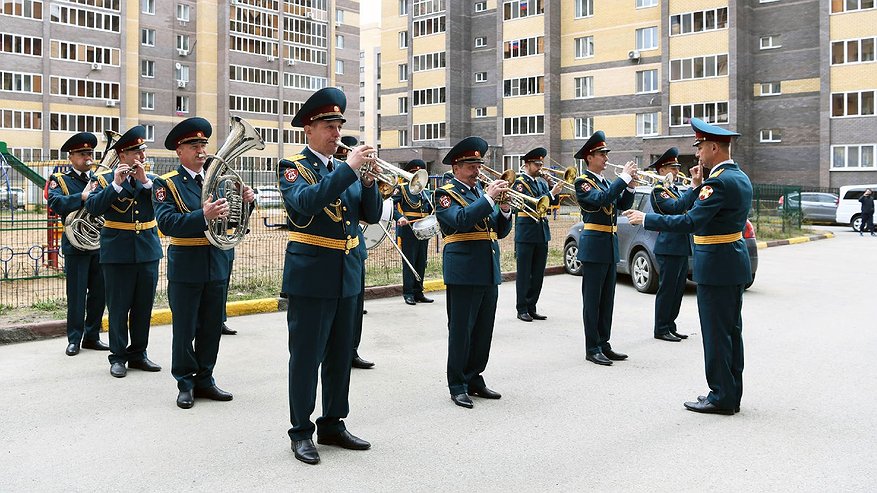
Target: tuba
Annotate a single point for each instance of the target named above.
(221, 181)
(81, 228)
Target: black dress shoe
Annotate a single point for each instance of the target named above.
(118, 370)
(677, 334)
(72, 349)
(702, 398)
(305, 451)
(344, 440)
(598, 358)
(365, 312)
(707, 407)
(361, 363)
(144, 364)
(667, 337)
(485, 393)
(463, 400)
(422, 299)
(96, 344)
(614, 356)
(525, 317)
(409, 299)
(185, 399)
(536, 316)
(213, 393)
(228, 332)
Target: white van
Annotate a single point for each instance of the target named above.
(849, 209)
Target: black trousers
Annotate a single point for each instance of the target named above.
(672, 272)
(531, 260)
(320, 339)
(415, 251)
(598, 302)
(130, 290)
(86, 298)
(357, 324)
(867, 222)
(197, 317)
(471, 313)
(227, 286)
(721, 322)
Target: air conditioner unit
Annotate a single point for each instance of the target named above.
(270, 58)
(96, 66)
(633, 55)
(182, 84)
(290, 62)
(182, 52)
(110, 103)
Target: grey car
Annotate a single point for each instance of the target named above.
(815, 206)
(636, 247)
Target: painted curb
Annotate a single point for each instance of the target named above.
(794, 241)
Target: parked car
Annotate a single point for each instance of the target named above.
(849, 209)
(11, 197)
(636, 247)
(815, 206)
(268, 197)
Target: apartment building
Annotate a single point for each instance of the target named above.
(794, 77)
(94, 65)
(370, 83)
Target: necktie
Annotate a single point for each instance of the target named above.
(84, 176)
(199, 180)
(131, 181)
(330, 165)
(475, 191)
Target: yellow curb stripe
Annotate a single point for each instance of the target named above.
(433, 285)
(800, 239)
(761, 244)
(163, 316)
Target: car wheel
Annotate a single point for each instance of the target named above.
(570, 259)
(856, 223)
(642, 273)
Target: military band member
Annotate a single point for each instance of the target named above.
(532, 235)
(322, 273)
(721, 262)
(471, 227)
(197, 271)
(85, 282)
(671, 249)
(600, 201)
(357, 362)
(129, 251)
(408, 208)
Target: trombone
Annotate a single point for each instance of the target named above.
(565, 176)
(533, 207)
(387, 180)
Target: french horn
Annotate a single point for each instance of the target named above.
(81, 228)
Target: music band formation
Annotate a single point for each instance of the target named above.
(112, 250)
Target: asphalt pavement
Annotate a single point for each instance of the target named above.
(563, 424)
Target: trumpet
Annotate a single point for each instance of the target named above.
(652, 178)
(387, 179)
(531, 206)
(567, 177)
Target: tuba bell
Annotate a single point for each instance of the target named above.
(222, 181)
(81, 228)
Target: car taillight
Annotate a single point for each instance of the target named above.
(749, 231)
(780, 202)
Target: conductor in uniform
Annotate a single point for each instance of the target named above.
(409, 208)
(671, 249)
(532, 235)
(197, 271)
(85, 283)
(129, 251)
(322, 273)
(471, 226)
(721, 263)
(600, 201)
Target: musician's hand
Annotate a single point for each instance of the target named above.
(402, 221)
(635, 217)
(248, 195)
(215, 208)
(361, 155)
(497, 188)
(85, 193)
(557, 188)
(121, 174)
(630, 168)
(139, 172)
(696, 175)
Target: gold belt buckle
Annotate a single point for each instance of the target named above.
(137, 226)
(349, 244)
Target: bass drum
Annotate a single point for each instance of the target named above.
(374, 234)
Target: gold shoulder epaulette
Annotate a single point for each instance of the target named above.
(58, 175)
(296, 157)
(448, 186)
(169, 175)
(717, 173)
(104, 172)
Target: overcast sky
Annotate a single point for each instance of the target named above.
(370, 11)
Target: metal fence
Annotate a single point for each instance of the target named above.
(771, 207)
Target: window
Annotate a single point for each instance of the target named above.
(403, 7)
(852, 156)
(181, 72)
(403, 72)
(252, 104)
(83, 88)
(88, 19)
(147, 100)
(403, 39)
(480, 76)
(647, 81)
(584, 87)
(524, 125)
(523, 47)
(339, 16)
(339, 67)
(182, 104)
(585, 47)
(22, 45)
(770, 135)
(182, 12)
(699, 67)
(147, 37)
(584, 127)
(147, 6)
(435, 95)
(481, 42)
(429, 61)
(20, 82)
(524, 86)
(429, 131)
(695, 22)
(150, 133)
(646, 3)
(254, 75)
(646, 124)
(769, 42)
(403, 105)
(432, 25)
(852, 51)
(31, 9)
(339, 41)
(512, 161)
(147, 68)
(480, 6)
(481, 112)
(852, 104)
(513, 9)
(183, 42)
(770, 89)
(716, 112)
(403, 138)
(584, 8)
(838, 6)
(426, 7)
(647, 38)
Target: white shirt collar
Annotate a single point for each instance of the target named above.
(193, 174)
(323, 159)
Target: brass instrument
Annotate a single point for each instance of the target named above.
(222, 181)
(391, 174)
(81, 228)
(531, 206)
(652, 178)
(566, 176)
